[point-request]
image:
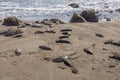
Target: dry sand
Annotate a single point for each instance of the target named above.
(32, 66)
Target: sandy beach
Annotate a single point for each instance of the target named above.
(90, 52)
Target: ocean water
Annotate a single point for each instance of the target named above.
(41, 9)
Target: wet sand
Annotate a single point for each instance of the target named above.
(32, 65)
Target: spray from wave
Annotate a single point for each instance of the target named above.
(41, 9)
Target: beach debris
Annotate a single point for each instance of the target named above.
(63, 41)
(12, 21)
(77, 18)
(18, 35)
(88, 51)
(27, 23)
(57, 21)
(66, 33)
(104, 49)
(22, 26)
(12, 31)
(38, 22)
(61, 67)
(47, 59)
(65, 36)
(18, 51)
(36, 25)
(115, 56)
(63, 59)
(89, 15)
(93, 45)
(2, 32)
(112, 43)
(108, 42)
(100, 35)
(45, 47)
(74, 5)
(46, 22)
(108, 19)
(74, 70)
(60, 59)
(67, 62)
(65, 30)
(49, 30)
(52, 21)
(39, 32)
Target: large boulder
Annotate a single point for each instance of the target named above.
(89, 15)
(12, 21)
(77, 18)
(74, 5)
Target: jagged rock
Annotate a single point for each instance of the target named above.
(45, 48)
(88, 51)
(74, 5)
(36, 25)
(100, 35)
(11, 32)
(77, 18)
(89, 15)
(18, 51)
(12, 21)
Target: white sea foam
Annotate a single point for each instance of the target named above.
(40, 9)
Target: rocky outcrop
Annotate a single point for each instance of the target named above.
(89, 15)
(77, 18)
(74, 5)
(52, 21)
(12, 21)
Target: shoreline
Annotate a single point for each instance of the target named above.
(70, 51)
